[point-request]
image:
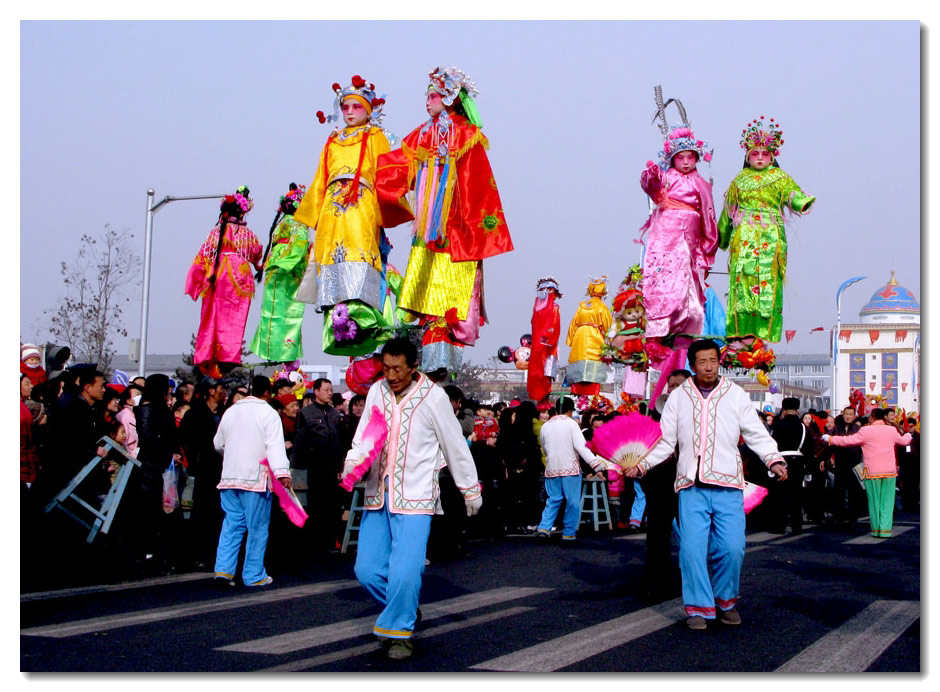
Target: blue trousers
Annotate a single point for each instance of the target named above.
(389, 564)
(558, 488)
(639, 505)
(245, 511)
(711, 528)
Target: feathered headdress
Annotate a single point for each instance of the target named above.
(361, 90)
(680, 137)
(757, 135)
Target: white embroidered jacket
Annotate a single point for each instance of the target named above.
(423, 435)
(708, 429)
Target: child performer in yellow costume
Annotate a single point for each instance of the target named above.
(586, 371)
(345, 276)
(458, 217)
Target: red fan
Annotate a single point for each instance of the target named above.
(373, 440)
(626, 440)
(289, 502)
(753, 495)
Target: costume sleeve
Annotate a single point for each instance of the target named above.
(255, 251)
(308, 212)
(481, 229)
(755, 434)
(904, 440)
(274, 444)
(800, 202)
(854, 440)
(372, 399)
(197, 277)
(725, 229)
(394, 176)
(669, 426)
(651, 180)
(454, 446)
(295, 254)
(709, 227)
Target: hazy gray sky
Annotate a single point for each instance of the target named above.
(110, 109)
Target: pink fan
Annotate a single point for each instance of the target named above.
(753, 495)
(626, 440)
(289, 502)
(371, 444)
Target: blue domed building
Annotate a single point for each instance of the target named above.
(880, 355)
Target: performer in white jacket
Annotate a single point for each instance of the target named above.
(706, 415)
(401, 493)
(250, 431)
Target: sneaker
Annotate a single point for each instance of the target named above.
(542, 533)
(729, 617)
(400, 649)
(569, 538)
(696, 622)
(264, 582)
(223, 583)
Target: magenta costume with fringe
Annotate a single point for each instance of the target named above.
(680, 248)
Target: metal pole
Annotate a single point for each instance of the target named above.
(835, 336)
(145, 300)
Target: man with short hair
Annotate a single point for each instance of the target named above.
(705, 416)
(250, 431)
(848, 496)
(401, 493)
(796, 447)
(317, 459)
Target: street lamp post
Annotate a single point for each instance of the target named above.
(148, 244)
(835, 336)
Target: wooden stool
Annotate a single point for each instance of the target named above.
(595, 491)
(105, 515)
(355, 516)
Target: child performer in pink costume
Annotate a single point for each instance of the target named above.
(222, 274)
(683, 238)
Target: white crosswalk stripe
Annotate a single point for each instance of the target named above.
(362, 649)
(591, 641)
(854, 646)
(110, 622)
(348, 629)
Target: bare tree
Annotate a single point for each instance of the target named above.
(98, 283)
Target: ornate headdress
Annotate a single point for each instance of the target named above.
(597, 287)
(757, 135)
(362, 91)
(239, 200)
(681, 137)
(451, 83)
(293, 197)
(545, 283)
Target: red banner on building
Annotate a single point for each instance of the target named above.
(900, 335)
(845, 334)
(873, 335)
(871, 386)
(790, 334)
(904, 386)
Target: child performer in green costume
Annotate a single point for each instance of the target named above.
(751, 229)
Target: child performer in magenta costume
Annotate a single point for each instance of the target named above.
(586, 334)
(221, 274)
(683, 238)
(278, 335)
(751, 229)
(348, 260)
(458, 219)
(546, 330)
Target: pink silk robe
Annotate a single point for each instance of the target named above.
(225, 302)
(683, 238)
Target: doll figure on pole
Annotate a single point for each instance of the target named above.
(751, 228)
(346, 272)
(683, 237)
(586, 337)
(457, 222)
(222, 276)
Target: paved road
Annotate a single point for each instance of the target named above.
(820, 601)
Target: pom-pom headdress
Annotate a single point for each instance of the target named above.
(680, 137)
(363, 92)
(756, 134)
(292, 199)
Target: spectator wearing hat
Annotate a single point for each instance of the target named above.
(31, 364)
(797, 448)
(290, 405)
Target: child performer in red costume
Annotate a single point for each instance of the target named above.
(546, 328)
(457, 219)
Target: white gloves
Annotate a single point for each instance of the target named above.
(473, 506)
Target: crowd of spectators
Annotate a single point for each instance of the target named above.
(64, 414)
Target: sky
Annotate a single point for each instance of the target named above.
(110, 109)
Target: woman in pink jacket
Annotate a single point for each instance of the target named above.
(877, 441)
